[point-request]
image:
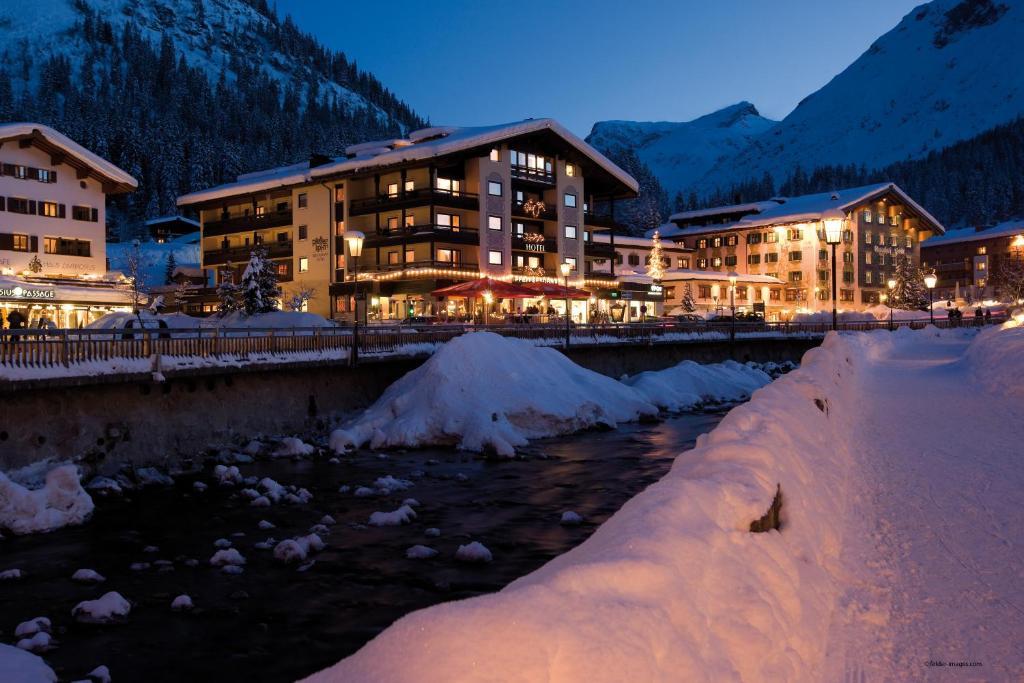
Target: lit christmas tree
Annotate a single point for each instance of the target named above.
(910, 292)
(656, 267)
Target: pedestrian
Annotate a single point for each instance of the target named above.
(16, 323)
(978, 316)
(988, 317)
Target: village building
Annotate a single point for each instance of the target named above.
(970, 262)
(53, 228)
(438, 207)
(783, 239)
(167, 228)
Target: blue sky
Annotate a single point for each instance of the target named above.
(472, 62)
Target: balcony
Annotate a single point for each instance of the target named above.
(598, 249)
(238, 255)
(606, 278)
(602, 221)
(534, 211)
(527, 271)
(535, 242)
(413, 198)
(421, 233)
(538, 176)
(227, 226)
(463, 269)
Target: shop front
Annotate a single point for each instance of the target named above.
(60, 303)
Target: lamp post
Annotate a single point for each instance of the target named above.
(732, 304)
(354, 238)
(929, 282)
(833, 221)
(566, 268)
(892, 288)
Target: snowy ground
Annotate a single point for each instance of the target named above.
(898, 457)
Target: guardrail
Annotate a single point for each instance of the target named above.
(42, 348)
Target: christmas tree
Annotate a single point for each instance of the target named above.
(910, 291)
(656, 266)
(260, 291)
(688, 304)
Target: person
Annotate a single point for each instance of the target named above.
(643, 312)
(15, 321)
(978, 316)
(988, 317)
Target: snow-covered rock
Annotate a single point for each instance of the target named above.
(402, 515)
(389, 484)
(432, 532)
(473, 552)
(292, 550)
(101, 674)
(11, 575)
(291, 446)
(87, 576)
(182, 603)
(227, 557)
(104, 486)
(570, 518)
(264, 524)
(20, 666)
(420, 552)
(151, 476)
(33, 626)
(227, 475)
(107, 608)
(688, 384)
(451, 399)
(60, 502)
(37, 643)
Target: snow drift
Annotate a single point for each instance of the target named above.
(60, 502)
(674, 586)
(482, 390)
(689, 384)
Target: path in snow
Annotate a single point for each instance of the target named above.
(935, 524)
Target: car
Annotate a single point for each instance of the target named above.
(689, 318)
(417, 320)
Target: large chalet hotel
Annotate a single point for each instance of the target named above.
(443, 205)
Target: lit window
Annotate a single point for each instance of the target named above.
(20, 242)
(570, 232)
(716, 262)
(494, 257)
(261, 211)
(572, 262)
(868, 257)
(494, 222)
(410, 185)
(21, 172)
(716, 242)
(448, 220)
(982, 251)
(49, 209)
(393, 223)
(410, 220)
(981, 265)
(570, 200)
(495, 154)
(410, 256)
(867, 215)
(867, 277)
(303, 264)
(702, 263)
(449, 255)
(867, 237)
(392, 258)
(392, 190)
(494, 188)
(570, 170)
(702, 243)
(303, 200)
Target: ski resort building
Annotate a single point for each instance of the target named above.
(971, 262)
(442, 205)
(783, 239)
(52, 227)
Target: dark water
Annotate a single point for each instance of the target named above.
(274, 623)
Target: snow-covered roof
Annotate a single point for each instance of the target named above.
(171, 219)
(749, 207)
(1006, 229)
(630, 241)
(98, 164)
(714, 275)
(810, 207)
(439, 142)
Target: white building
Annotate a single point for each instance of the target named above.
(53, 224)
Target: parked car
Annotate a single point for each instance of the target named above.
(689, 319)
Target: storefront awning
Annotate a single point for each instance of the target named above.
(499, 289)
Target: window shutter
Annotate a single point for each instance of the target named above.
(3, 203)
(32, 207)
(95, 215)
(34, 242)
(61, 211)
(8, 169)
(53, 176)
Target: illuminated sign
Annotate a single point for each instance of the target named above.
(20, 292)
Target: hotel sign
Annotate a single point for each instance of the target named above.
(893, 251)
(26, 293)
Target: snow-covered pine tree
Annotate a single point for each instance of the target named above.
(260, 291)
(910, 291)
(228, 294)
(172, 265)
(656, 267)
(688, 303)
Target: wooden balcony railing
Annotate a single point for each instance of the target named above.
(227, 226)
(213, 257)
(411, 198)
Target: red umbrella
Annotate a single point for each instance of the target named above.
(550, 289)
(499, 289)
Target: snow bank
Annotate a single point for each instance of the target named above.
(994, 359)
(60, 502)
(19, 666)
(689, 384)
(674, 586)
(482, 390)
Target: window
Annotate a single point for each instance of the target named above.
(47, 176)
(586, 235)
(730, 260)
(303, 232)
(495, 154)
(796, 276)
(702, 263)
(868, 258)
(392, 258)
(823, 254)
(716, 262)
(408, 220)
(741, 292)
(618, 258)
(282, 269)
(282, 237)
(261, 211)
(796, 234)
(682, 262)
(452, 256)
(702, 243)
(449, 220)
(796, 255)
(303, 264)
(570, 170)
(771, 258)
(21, 172)
(571, 261)
(20, 243)
(848, 257)
(670, 293)
(753, 259)
(868, 277)
(66, 247)
(494, 222)
(823, 275)
(393, 223)
(570, 232)
(49, 209)
(846, 295)
(451, 186)
(494, 188)
(982, 251)
(647, 260)
(410, 256)
(892, 240)
(704, 291)
(339, 193)
(634, 259)
(716, 242)
(867, 237)
(494, 257)
(981, 265)
(730, 240)
(881, 259)
(754, 238)
(303, 200)
(910, 242)
(771, 237)
(18, 205)
(570, 200)
(775, 294)
(392, 190)
(866, 215)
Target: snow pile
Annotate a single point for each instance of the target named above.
(107, 608)
(994, 359)
(228, 559)
(473, 552)
(388, 484)
(420, 552)
(227, 475)
(60, 502)
(674, 586)
(298, 549)
(182, 603)
(34, 635)
(571, 518)
(291, 445)
(402, 515)
(11, 575)
(482, 390)
(689, 384)
(19, 666)
(87, 576)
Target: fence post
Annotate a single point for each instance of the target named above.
(64, 348)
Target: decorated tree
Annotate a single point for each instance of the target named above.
(228, 293)
(910, 292)
(688, 303)
(656, 267)
(260, 291)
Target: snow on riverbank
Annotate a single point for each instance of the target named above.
(61, 501)
(19, 666)
(482, 390)
(689, 384)
(674, 586)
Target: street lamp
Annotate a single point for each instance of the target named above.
(833, 221)
(929, 282)
(732, 304)
(892, 288)
(354, 238)
(566, 268)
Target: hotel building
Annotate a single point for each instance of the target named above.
(971, 259)
(440, 206)
(783, 239)
(53, 227)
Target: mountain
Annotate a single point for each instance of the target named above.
(185, 94)
(948, 71)
(680, 153)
